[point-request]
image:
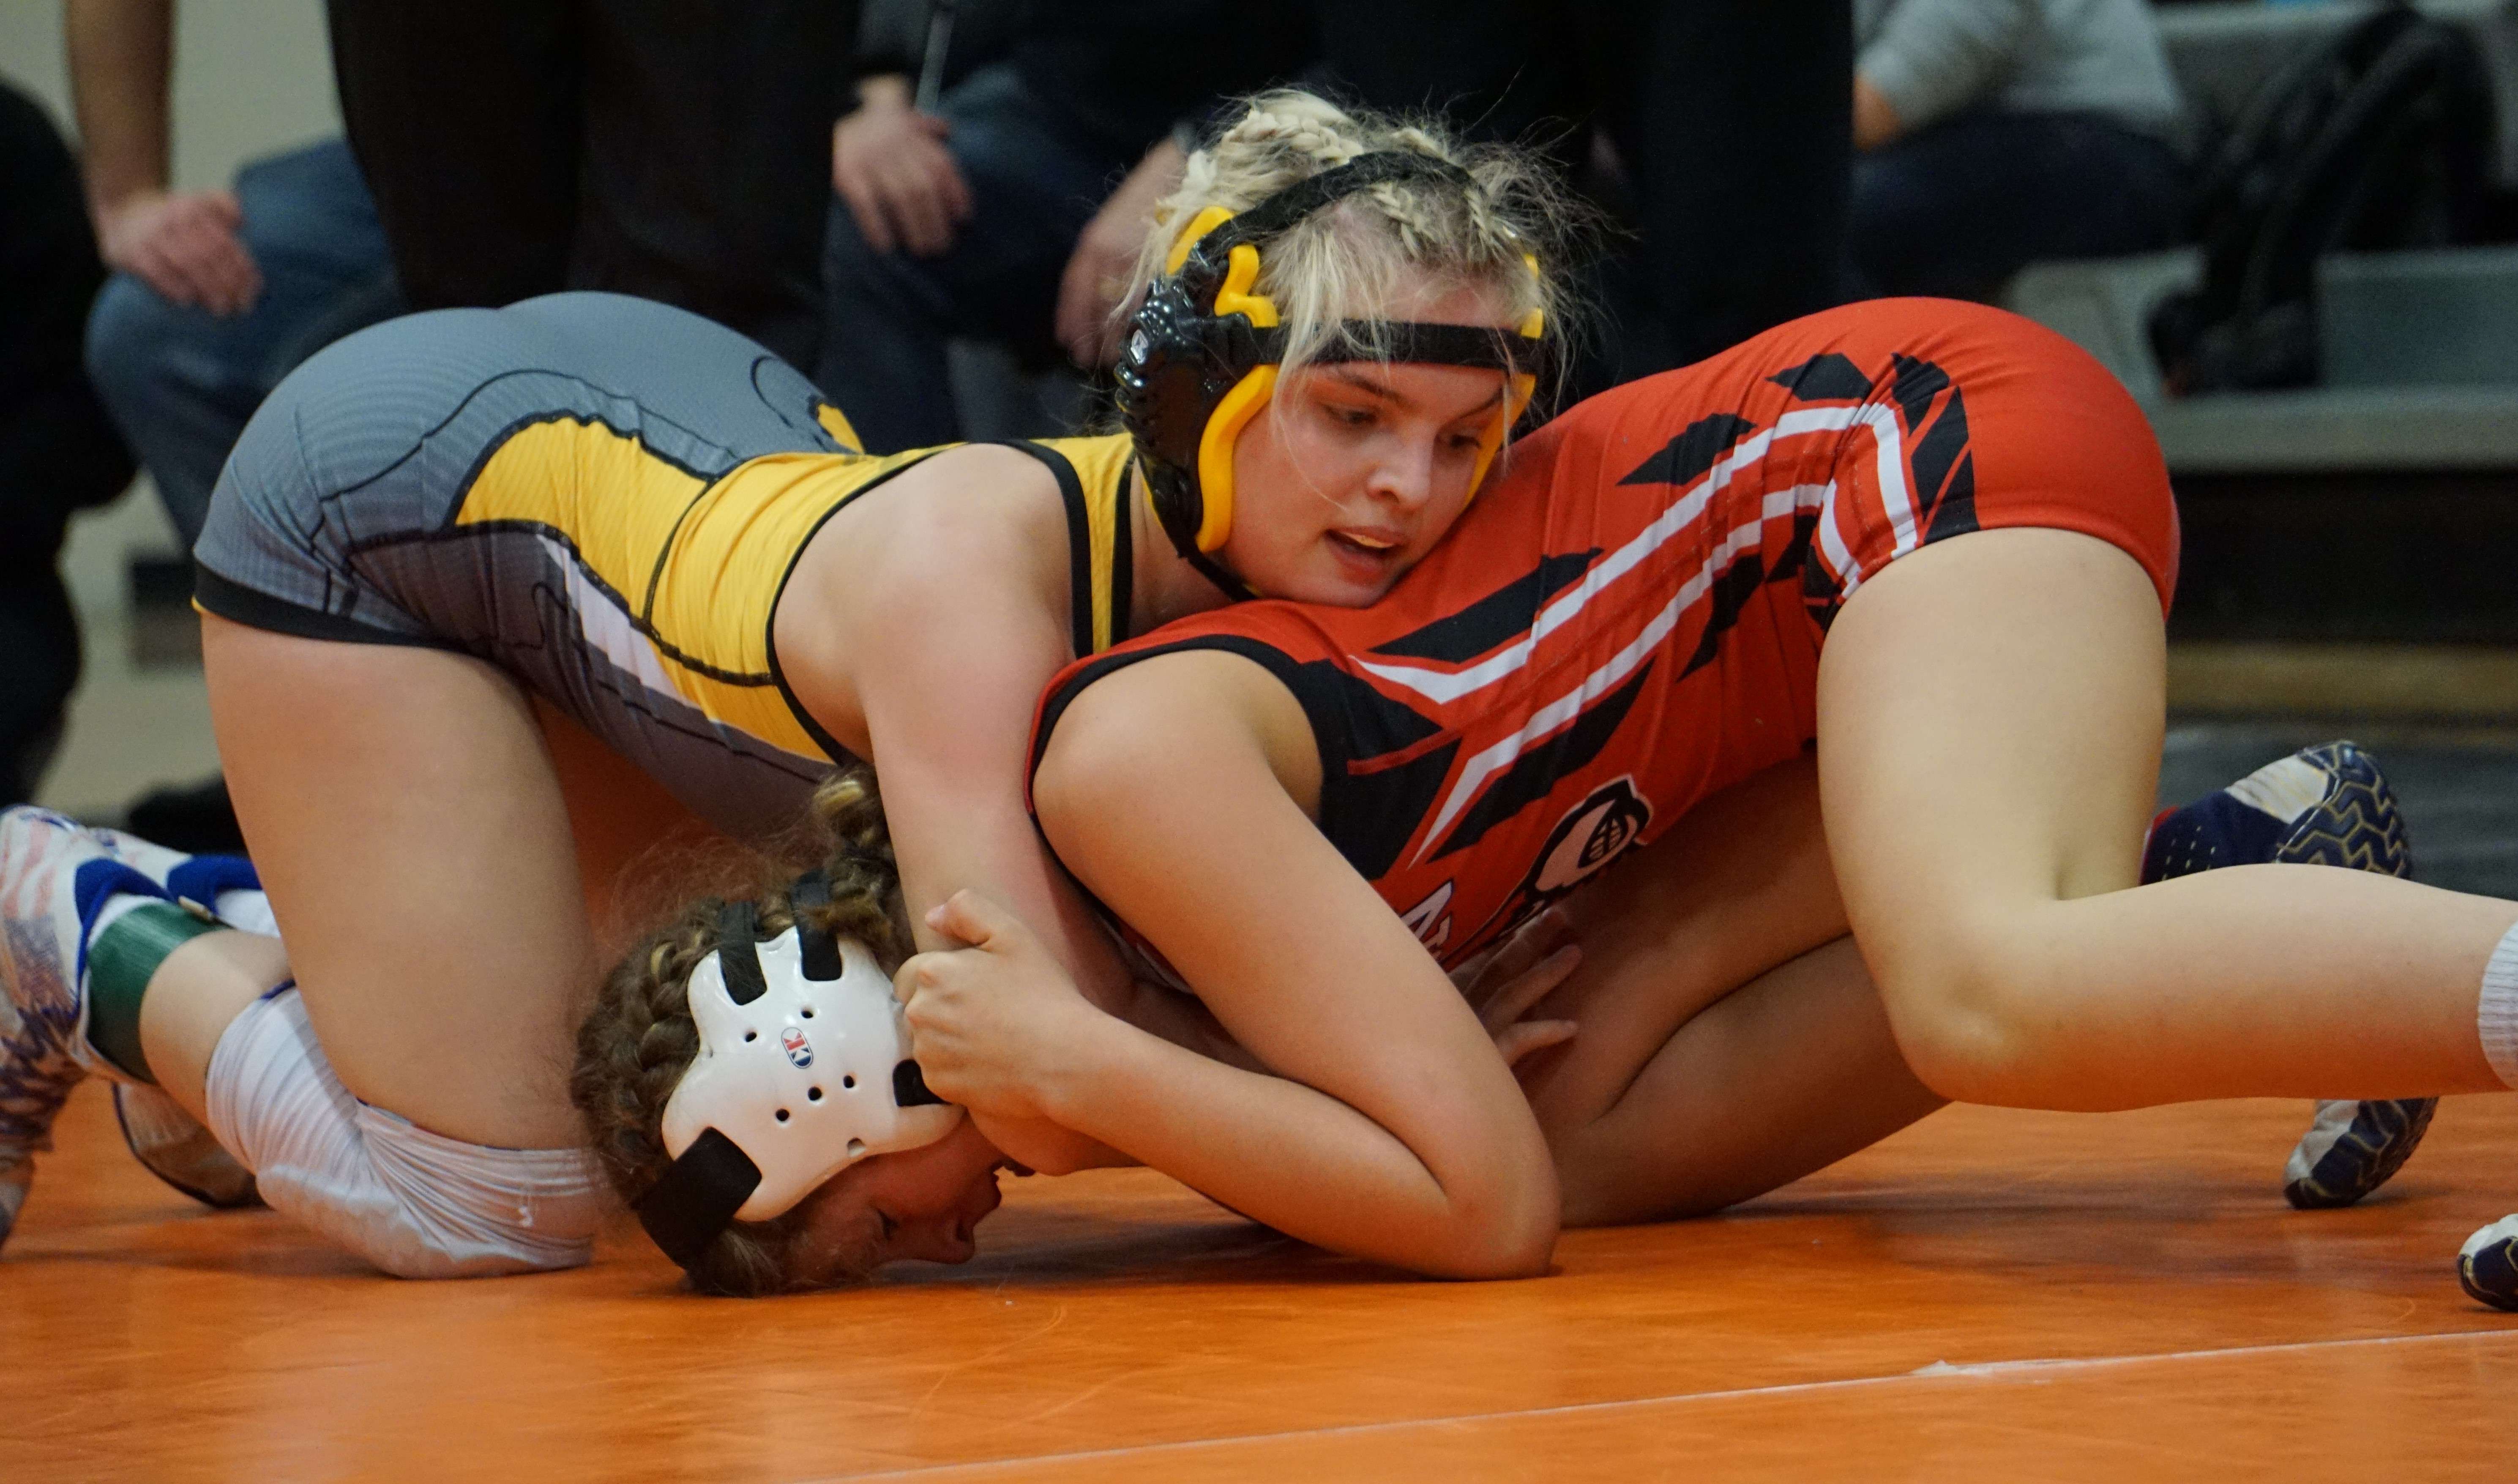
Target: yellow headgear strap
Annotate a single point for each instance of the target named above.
(1251, 393)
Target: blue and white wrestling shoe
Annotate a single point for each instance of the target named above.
(54, 878)
(2322, 806)
(168, 1141)
(2488, 1266)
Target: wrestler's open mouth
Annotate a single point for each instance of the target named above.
(1373, 544)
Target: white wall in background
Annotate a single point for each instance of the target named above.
(251, 76)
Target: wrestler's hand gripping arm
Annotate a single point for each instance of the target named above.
(1393, 1130)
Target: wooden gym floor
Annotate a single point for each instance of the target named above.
(1990, 1295)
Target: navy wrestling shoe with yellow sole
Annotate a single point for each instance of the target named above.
(2488, 1267)
(2322, 806)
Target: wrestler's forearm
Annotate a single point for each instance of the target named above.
(1275, 1150)
(1049, 1148)
(1185, 1022)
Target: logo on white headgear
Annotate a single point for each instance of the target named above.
(798, 1050)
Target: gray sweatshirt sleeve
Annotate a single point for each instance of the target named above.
(1932, 57)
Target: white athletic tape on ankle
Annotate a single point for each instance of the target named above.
(2496, 1015)
(247, 911)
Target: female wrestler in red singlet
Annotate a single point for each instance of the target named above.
(1931, 541)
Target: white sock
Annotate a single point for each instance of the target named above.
(2496, 1016)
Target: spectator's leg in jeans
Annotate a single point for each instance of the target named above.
(57, 452)
(181, 381)
(890, 314)
(1957, 208)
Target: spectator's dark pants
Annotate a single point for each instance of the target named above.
(890, 314)
(1733, 120)
(57, 450)
(676, 150)
(1955, 210)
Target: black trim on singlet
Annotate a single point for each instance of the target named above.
(829, 744)
(1123, 553)
(237, 604)
(1535, 774)
(1079, 541)
(1275, 660)
(1827, 376)
(1079, 547)
(1368, 813)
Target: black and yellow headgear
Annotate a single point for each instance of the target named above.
(1204, 353)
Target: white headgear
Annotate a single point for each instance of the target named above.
(801, 1073)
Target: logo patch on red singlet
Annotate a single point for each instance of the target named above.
(799, 1051)
(1592, 833)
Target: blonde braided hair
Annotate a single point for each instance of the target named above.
(635, 1045)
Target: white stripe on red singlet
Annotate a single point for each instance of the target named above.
(1443, 687)
(1779, 504)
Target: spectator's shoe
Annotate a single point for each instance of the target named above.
(2323, 805)
(2488, 1265)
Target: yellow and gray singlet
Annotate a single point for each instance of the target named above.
(602, 496)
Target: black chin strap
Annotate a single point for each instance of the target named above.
(1233, 587)
(1215, 572)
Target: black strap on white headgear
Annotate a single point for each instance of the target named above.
(821, 949)
(696, 1198)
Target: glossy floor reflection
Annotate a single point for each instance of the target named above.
(1990, 1295)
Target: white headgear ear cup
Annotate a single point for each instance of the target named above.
(800, 1077)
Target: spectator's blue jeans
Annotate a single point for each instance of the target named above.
(181, 381)
(890, 313)
(1957, 207)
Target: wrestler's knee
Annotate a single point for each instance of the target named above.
(1962, 999)
(413, 1204)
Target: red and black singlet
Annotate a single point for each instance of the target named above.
(1630, 617)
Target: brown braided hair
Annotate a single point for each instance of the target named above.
(633, 1046)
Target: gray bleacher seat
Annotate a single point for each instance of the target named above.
(2222, 53)
(2419, 349)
